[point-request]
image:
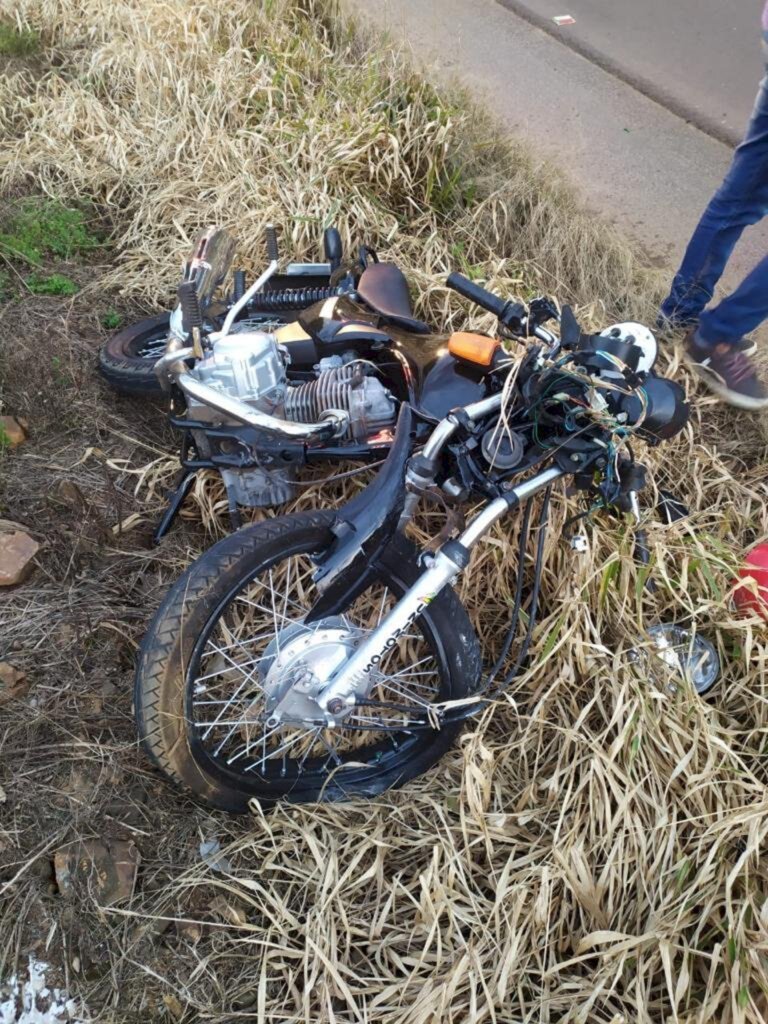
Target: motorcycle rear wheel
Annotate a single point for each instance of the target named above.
(128, 357)
(203, 678)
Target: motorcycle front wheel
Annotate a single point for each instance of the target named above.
(229, 646)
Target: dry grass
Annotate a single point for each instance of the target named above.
(591, 851)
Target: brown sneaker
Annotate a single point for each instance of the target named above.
(727, 371)
(668, 327)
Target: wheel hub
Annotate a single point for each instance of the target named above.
(298, 663)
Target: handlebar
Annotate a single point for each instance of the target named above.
(511, 314)
(473, 292)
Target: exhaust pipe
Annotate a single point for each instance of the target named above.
(334, 422)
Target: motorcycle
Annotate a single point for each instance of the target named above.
(321, 656)
(127, 359)
(278, 377)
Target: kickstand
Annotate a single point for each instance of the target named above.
(174, 504)
(234, 512)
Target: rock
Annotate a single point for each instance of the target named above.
(17, 549)
(231, 911)
(8, 526)
(13, 682)
(70, 493)
(210, 851)
(12, 431)
(152, 930)
(190, 931)
(82, 783)
(175, 1008)
(107, 867)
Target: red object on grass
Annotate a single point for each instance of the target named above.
(748, 598)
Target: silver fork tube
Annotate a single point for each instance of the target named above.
(358, 673)
(484, 520)
(447, 427)
(435, 443)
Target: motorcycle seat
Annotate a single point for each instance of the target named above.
(383, 287)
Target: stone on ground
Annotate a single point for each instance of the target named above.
(106, 867)
(17, 549)
(12, 431)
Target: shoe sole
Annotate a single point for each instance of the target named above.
(748, 347)
(715, 384)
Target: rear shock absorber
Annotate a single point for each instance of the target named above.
(291, 298)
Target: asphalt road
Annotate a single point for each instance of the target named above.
(700, 58)
(635, 159)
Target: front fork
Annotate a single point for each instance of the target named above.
(358, 674)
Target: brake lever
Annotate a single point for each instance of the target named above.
(540, 311)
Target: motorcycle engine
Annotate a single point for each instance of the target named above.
(252, 367)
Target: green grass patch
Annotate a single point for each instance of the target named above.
(111, 320)
(51, 284)
(16, 42)
(42, 227)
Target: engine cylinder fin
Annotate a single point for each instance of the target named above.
(369, 404)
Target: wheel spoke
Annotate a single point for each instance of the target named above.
(269, 611)
(274, 610)
(408, 668)
(237, 643)
(233, 665)
(302, 762)
(381, 607)
(407, 694)
(287, 587)
(264, 737)
(276, 753)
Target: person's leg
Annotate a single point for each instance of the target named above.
(738, 313)
(715, 348)
(741, 200)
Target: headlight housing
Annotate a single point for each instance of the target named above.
(677, 655)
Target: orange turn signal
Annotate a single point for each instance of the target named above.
(474, 348)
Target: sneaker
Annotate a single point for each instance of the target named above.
(727, 371)
(672, 324)
(667, 326)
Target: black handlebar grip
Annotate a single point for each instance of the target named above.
(642, 555)
(273, 252)
(642, 552)
(473, 292)
(191, 314)
(332, 247)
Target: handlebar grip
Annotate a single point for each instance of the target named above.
(473, 292)
(273, 253)
(332, 247)
(642, 552)
(642, 555)
(191, 314)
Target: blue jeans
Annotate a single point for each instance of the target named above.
(741, 200)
